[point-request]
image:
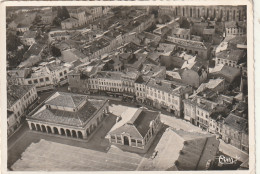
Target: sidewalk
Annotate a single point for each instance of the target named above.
(232, 151)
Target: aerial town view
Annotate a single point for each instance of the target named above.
(127, 88)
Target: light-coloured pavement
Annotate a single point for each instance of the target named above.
(232, 151)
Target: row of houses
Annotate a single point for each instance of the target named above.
(163, 94)
(44, 77)
(113, 39)
(221, 115)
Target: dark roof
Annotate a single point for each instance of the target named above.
(236, 122)
(66, 99)
(9, 113)
(16, 92)
(139, 124)
(235, 55)
(142, 80)
(142, 122)
(227, 72)
(176, 62)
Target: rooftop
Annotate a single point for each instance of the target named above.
(71, 55)
(235, 55)
(170, 87)
(78, 118)
(189, 43)
(181, 31)
(135, 122)
(29, 34)
(16, 92)
(236, 122)
(66, 99)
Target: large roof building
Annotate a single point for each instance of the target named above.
(136, 129)
(71, 115)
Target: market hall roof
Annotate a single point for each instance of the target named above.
(66, 99)
(78, 118)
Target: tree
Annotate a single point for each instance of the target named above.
(12, 42)
(55, 51)
(63, 13)
(56, 21)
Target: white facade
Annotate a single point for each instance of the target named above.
(18, 108)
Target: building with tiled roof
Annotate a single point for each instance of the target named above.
(69, 23)
(230, 57)
(28, 37)
(71, 115)
(202, 49)
(234, 128)
(72, 55)
(235, 28)
(168, 95)
(181, 33)
(135, 129)
(19, 100)
(230, 74)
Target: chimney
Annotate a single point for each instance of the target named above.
(198, 100)
(186, 96)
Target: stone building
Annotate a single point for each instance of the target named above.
(233, 28)
(230, 58)
(19, 100)
(70, 115)
(167, 95)
(202, 49)
(235, 130)
(226, 13)
(136, 130)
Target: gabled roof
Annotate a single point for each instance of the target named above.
(137, 124)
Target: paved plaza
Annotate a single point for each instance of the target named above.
(94, 155)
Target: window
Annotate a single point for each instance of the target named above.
(41, 79)
(47, 78)
(60, 73)
(35, 81)
(30, 82)
(113, 137)
(65, 72)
